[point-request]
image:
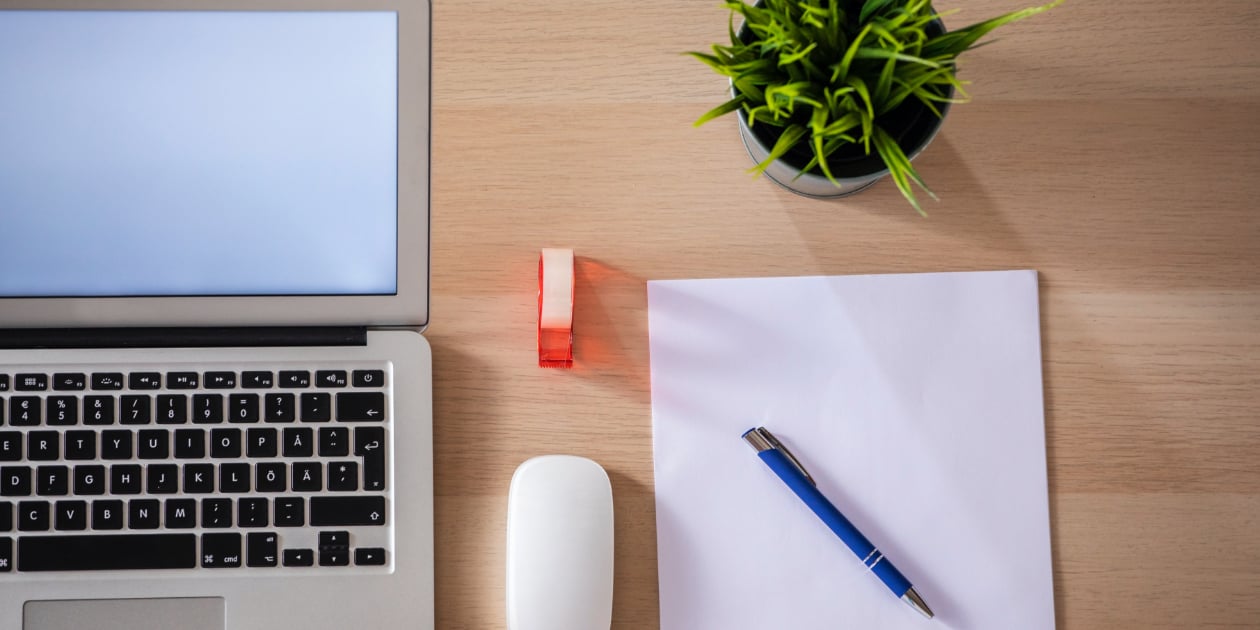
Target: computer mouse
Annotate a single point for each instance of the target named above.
(559, 545)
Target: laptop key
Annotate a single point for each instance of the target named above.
(316, 407)
(172, 409)
(144, 513)
(182, 380)
(107, 380)
(181, 513)
(190, 443)
(154, 444)
(334, 441)
(162, 479)
(216, 513)
(70, 515)
(299, 558)
(253, 512)
(30, 382)
(369, 556)
(199, 478)
(220, 380)
(52, 481)
(136, 409)
(89, 480)
(361, 406)
(225, 443)
(98, 410)
(279, 408)
(69, 381)
(80, 445)
(290, 512)
(124, 479)
(25, 411)
(63, 411)
(116, 444)
(144, 380)
(10, 446)
(263, 549)
(368, 378)
(293, 379)
(15, 481)
(34, 516)
(43, 446)
(6, 554)
(243, 408)
(6, 516)
(256, 380)
(330, 378)
(107, 552)
(107, 514)
(4, 382)
(207, 408)
(346, 511)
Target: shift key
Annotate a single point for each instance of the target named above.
(354, 510)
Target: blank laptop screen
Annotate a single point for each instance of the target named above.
(198, 153)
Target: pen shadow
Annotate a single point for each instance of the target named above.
(945, 608)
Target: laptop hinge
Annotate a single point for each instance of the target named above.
(252, 337)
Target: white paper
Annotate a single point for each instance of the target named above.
(914, 400)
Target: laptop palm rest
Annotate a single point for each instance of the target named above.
(183, 613)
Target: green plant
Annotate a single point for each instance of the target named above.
(829, 74)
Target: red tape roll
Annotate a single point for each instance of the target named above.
(555, 308)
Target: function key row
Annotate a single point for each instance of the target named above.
(248, 379)
(204, 409)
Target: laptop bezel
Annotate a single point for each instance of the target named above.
(408, 307)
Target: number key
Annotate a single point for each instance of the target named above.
(98, 410)
(136, 409)
(25, 411)
(63, 410)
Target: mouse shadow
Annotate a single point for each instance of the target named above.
(636, 595)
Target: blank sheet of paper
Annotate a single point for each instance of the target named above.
(914, 400)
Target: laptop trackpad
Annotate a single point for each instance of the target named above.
(182, 613)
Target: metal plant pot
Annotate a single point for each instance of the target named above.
(912, 124)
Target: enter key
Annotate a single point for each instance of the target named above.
(369, 443)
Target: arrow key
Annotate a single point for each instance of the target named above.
(369, 556)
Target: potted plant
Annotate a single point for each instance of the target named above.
(833, 95)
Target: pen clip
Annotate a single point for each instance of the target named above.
(763, 440)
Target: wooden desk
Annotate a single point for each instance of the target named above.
(1113, 146)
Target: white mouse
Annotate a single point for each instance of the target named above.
(559, 545)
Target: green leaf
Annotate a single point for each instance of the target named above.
(724, 108)
(871, 7)
(959, 40)
(788, 139)
(899, 168)
(880, 53)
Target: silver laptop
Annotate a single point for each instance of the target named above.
(215, 401)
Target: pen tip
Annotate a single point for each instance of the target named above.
(916, 602)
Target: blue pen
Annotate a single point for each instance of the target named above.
(790, 470)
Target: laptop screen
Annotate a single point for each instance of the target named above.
(198, 153)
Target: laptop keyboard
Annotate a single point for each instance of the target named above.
(202, 467)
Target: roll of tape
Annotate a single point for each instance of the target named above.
(555, 308)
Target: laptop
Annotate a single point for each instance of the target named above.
(215, 400)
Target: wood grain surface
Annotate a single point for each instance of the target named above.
(1113, 146)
